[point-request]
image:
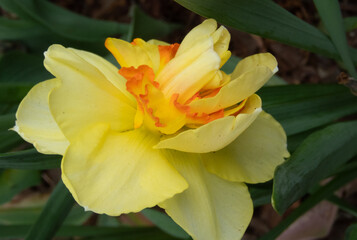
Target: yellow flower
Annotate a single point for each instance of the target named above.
(170, 129)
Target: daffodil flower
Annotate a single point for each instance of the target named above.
(169, 129)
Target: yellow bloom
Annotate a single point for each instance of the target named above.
(170, 129)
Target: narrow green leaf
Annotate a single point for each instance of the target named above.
(146, 27)
(350, 23)
(303, 107)
(53, 214)
(29, 159)
(330, 13)
(22, 67)
(316, 158)
(13, 181)
(122, 233)
(19, 29)
(63, 22)
(260, 193)
(165, 223)
(13, 92)
(28, 215)
(310, 202)
(343, 205)
(267, 19)
(351, 232)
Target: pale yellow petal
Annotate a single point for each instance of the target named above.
(192, 78)
(221, 39)
(196, 35)
(254, 155)
(85, 95)
(179, 63)
(134, 55)
(235, 91)
(110, 72)
(249, 63)
(114, 173)
(211, 208)
(35, 123)
(217, 134)
(158, 42)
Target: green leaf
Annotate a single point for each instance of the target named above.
(53, 214)
(29, 159)
(13, 181)
(343, 205)
(351, 232)
(303, 107)
(165, 223)
(13, 92)
(63, 22)
(317, 157)
(122, 233)
(260, 193)
(310, 202)
(350, 23)
(330, 13)
(267, 19)
(145, 27)
(53, 24)
(19, 29)
(21, 67)
(8, 139)
(28, 215)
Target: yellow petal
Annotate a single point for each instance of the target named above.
(196, 35)
(35, 123)
(134, 55)
(254, 155)
(253, 61)
(85, 95)
(211, 208)
(240, 87)
(192, 78)
(221, 39)
(217, 134)
(114, 173)
(179, 63)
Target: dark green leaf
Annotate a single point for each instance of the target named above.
(13, 92)
(21, 67)
(19, 29)
(165, 223)
(311, 201)
(146, 27)
(303, 107)
(8, 139)
(260, 193)
(29, 159)
(350, 23)
(343, 205)
(267, 19)
(28, 215)
(316, 158)
(53, 214)
(122, 233)
(63, 22)
(330, 13)
(351, 232)
(13, 181)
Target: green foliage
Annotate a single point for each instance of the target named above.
(314, 159)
